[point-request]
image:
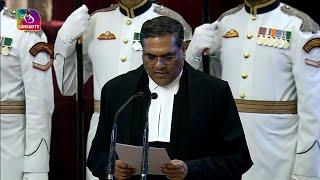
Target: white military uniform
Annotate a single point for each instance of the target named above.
(270, 55)
(110, 47)
(26, 104)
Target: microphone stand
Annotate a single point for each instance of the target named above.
(206, 17)
(145, 149)
(113, 138)
(81, 149)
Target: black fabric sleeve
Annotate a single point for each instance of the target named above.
(233, 158)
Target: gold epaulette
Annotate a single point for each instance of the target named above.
(112, 7)
(308, 24)
(162, 10)
(231, 11)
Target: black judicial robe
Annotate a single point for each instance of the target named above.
(206, 131)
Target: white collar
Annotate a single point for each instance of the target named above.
(172, 87)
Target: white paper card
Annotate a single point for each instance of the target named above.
(132, 155)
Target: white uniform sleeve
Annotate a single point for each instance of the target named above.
(65, 63)
(39, 99)
(307, 78)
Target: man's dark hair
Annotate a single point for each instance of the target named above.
(2, 4)
(162, 26)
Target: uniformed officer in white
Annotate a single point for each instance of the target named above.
(110, 46)
(269, 53)
(26, 102)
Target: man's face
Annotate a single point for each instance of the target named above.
(162, 59)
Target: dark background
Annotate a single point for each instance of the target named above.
(63, 143)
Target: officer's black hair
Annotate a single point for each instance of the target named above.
(162, 26)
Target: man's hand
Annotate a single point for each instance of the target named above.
(123, 170)
(176, 170)
(204, 41)
(75, 25)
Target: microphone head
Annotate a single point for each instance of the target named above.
(154, 95)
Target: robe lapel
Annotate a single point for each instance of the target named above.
(179, 125)
(139, 111)
(131, 121)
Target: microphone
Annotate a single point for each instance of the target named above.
(145, 148)
(113, 138)
(154, 95)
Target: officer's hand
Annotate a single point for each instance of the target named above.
(176, 170)
(123, 170)
(75, 25)
(35, 176)
(204, 41)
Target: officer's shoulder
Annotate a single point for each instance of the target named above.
(205, 79)
(165, 11)
(39, 34)
(34, 35)
(112, 7)
(11, 15)
(231, 11)
(308, 24)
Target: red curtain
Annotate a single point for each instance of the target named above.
(61, 9)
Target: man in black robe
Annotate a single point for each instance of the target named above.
(206, 140)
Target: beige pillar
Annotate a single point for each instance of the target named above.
(15, 4)
(44, 7)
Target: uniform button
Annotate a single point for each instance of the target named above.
(125, 40)
(242, 95)
(246, 55)
(128, 22)
(249, 36)
(244, 75)
(253, 17)
(123, 58)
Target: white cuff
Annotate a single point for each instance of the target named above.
(35, 176)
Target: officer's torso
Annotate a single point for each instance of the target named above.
(259, 68)
(112, 57)
(10, 67)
